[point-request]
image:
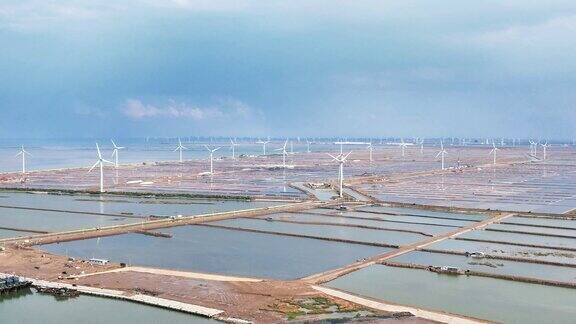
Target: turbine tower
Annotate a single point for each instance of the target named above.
(211, 157)
(100, 162)
(308, 145)
(23, 152)
(370, 150)
(341, 159)
(284, 153)
(544, 147)
(180, 147)
(493, 151)
(442, 153)
(421, 146)
(264, 143)
(233, 145)
(533, 146)
(403, 146)
(115, 152)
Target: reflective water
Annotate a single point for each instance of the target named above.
(532, 229)
(429, 229)
(415, 219)
(531, 270)
(55, 221)
(125, 207)
(423, 212)
(124, 204)
(8, 233)
(487, 298)
(507, 250)
(204, 249)
(521, 238)
(28, 307)
(340, 232)
(542, 221)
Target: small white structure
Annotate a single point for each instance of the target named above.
(98, 261)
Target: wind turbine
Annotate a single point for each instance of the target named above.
(211, 157)
(371, 150)
(544, 147)
(493, 151)
(263, 145)
(308, 145)
(232, 147)
(403, 146)
(421, 146)
(341, 159)
(442, 153)
(115, 152)
(284, 153)
(180, 147)
(23, 152)
(533, 146)
(100, 163)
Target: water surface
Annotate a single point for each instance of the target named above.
(330, 231)
(28, 307)
(204, 249)
(487, 298)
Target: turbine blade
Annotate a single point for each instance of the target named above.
(333, 157)
(95, 165)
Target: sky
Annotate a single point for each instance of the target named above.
(137, 68)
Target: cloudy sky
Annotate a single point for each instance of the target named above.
(93, 68)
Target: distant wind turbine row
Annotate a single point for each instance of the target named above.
(340, 158)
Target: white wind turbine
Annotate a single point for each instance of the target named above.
(341, 159)
(233, 145)
(371, 151)
(493, 151)
(211, 157)
(308, 145)
(100, 163)
(23, 152)
(442, 153)
(421, 146)
(180, 147)
(115, 152)
(403, 146)
(544, 147)
(533, 146)
(264, 143)
(284, 153)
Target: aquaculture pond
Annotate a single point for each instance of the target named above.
(412, 219)
(329, 231)
(232, 252)
(504, 267)
(9, 233)
(26, 306)
(497, 249)
(51, 221)
(486, 298)
(303, 217)
(423, 212)
(528, 239)
(118, 204)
